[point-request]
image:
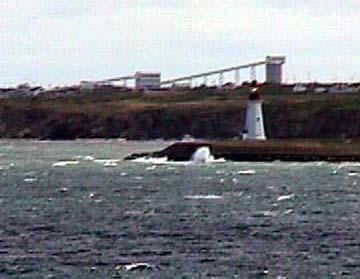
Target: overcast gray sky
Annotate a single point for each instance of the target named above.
(65, 41)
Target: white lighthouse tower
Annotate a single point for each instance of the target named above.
(254, 125)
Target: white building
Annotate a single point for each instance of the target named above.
(254, 125)
(340, 88)
(299, 88)
(87, 85)
(147, 80)
(320, 89)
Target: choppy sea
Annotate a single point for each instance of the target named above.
(77, 210)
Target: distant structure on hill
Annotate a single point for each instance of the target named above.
(147, 81)
(87, 85)
(332, 88)
(274, 69)
(273, 73)
(152, 81)
(299, 88)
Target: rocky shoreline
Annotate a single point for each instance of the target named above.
(311, 151)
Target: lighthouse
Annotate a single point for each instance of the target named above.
(254, 125)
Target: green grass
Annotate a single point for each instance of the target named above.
(301, 106)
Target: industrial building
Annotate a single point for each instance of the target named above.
(147, 81)
(152, 81)
(274, 69)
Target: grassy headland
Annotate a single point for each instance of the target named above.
(202, 113)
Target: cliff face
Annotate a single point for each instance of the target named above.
(327, 123)
(173, 123)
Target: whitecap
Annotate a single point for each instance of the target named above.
(285, 197)
(202, 155)
(153, 167)
(93, 195)
(64, 190)
(348, 164)
(160, 161)
(353, 173)
(246, 172)
(219, 160)
(135, 266)
(165, 161)
(29, 179)
(110, 164)
(106, 161)
(203, 197)
(65, 163)
(89, 158)
(151, 160)
(265, 213)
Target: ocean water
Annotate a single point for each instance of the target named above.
(77, 210)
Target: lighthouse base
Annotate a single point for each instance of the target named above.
(247, 138)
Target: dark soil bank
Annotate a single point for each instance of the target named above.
(208, 119)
